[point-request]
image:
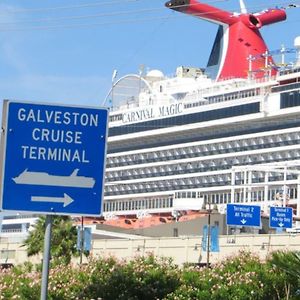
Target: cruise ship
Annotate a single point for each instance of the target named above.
(227, 133)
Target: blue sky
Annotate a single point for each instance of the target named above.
(64, 51)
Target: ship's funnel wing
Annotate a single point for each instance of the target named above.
(201, 10)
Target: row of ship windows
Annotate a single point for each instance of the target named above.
(186, 119)
(20, 216)
(194, 104)
(199, 151)
(229, 131)
(224, 97)
(234, 96)
(211, 165)
(286, 87)
(290, 99)
(162, 188)
(290, 71)
(274, 194)
(18, 227)
(187, 194)
(186, 183)
(116, 118)
(137, 204)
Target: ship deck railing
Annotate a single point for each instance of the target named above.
(225, 90)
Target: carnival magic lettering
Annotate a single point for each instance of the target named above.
(152, 112)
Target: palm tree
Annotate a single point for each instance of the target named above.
(63, 240)
(288, 263)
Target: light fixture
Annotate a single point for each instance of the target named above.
(263, 246)
(196, 246)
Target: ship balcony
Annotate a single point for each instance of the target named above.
(197, 166)
(242, 143)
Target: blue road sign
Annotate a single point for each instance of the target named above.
(84, 238)
(54, 158)
(281, 217)
(243, 215)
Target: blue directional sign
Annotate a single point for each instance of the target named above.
(243, 215)
(54, 158)
(281, 217)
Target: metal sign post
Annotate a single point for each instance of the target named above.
(46, 257)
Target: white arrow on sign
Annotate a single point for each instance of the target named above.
(66, 199)
(243, 221)
(280, 224)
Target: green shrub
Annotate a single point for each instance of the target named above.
(142, 278)
(17, 283)
(287, 264)
(243, 276)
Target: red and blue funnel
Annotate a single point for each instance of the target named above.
(237, 40)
